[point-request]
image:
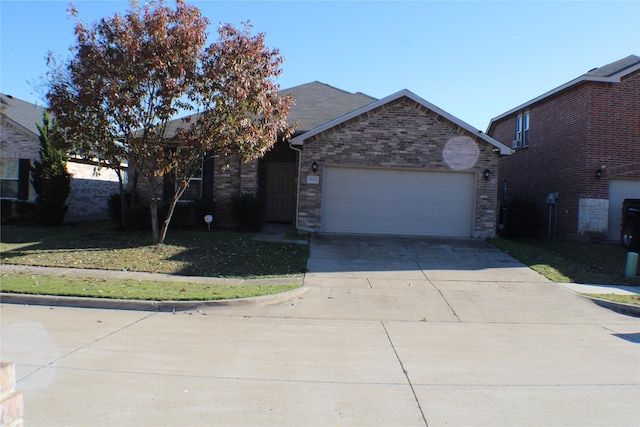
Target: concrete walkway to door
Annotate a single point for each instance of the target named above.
(389, 332)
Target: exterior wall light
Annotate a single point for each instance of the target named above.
(314, 166)
(600, 171)
(487, 174)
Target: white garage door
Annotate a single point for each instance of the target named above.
(402, 202)
(620, 189)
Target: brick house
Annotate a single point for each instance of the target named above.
(273, 177)
(582, 141)
(398, 165)
(20, 147)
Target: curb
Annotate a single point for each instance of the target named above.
(135, 305)
(622, 308)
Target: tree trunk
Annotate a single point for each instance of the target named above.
(172, 205)
(155, 227)
(123, 199)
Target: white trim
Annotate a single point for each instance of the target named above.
(615, 78)
(299, 140)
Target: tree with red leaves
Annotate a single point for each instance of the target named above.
(130, 75)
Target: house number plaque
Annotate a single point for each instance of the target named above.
(313, 179)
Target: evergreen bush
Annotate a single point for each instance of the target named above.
(246, 209)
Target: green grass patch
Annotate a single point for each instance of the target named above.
(185, 252)
(625, 299)
(132, 289)
(571, 261)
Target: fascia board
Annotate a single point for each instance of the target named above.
(299, 140)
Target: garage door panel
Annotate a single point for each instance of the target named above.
(387, 201)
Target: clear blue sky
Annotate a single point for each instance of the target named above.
(473, 59)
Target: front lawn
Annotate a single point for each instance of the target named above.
(185, 252)
(94, 287)
(571, 261)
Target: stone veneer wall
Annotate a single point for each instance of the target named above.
(401, 134)
(593, 217)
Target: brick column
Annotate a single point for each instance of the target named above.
(11, 402)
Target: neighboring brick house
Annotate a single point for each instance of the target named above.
(582, 141)
(20, 147)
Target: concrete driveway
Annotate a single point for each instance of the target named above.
(388, 331)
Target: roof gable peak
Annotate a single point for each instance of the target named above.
(404, 93)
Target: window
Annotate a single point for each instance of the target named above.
(522, 130)
(194, 189)
(525, 133)
(9, 178)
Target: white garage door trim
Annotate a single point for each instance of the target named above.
(620, 189)
(398, 201)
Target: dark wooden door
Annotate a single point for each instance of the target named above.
(281, 191)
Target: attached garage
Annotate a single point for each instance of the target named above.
(620, 189)
(398, 201)
(398, 166)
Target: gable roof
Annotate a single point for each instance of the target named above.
(22, 114)
(299, 140)
(610, 73)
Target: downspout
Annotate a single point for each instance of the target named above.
(298, 226)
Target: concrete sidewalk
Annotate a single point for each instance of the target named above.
(390, 332)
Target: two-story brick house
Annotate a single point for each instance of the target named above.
(580, 140)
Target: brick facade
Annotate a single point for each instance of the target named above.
(232, 177)
(400, 134)
(573, 133)
(15, 144)
(91, 189)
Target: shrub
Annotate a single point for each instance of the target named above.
(138, 216)
(50, 178)
(246, 209)
(522, 219)
(26, 211)
(6, 210)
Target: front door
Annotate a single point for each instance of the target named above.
(281, 190)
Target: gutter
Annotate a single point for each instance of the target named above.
(298, 226)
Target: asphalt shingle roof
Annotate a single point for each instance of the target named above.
(317, 103)
(22, 113)
(615, 67)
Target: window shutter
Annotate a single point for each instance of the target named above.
(207, 179)
(24, 173)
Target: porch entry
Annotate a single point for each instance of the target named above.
(281, 191)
